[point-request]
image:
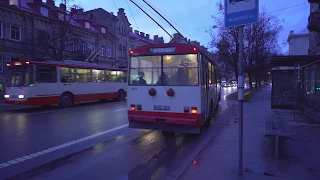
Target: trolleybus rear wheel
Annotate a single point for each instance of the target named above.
(121, 95)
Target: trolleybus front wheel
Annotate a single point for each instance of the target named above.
(66, 100)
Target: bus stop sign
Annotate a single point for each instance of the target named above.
(241, 12)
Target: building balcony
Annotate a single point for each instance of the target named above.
(314, 1)
(314, 21)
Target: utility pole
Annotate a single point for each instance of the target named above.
(233, 13)
(240, 99)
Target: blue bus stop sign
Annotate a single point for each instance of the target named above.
(241, 12)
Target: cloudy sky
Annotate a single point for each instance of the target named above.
(193, 17)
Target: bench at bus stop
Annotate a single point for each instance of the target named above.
(275, 130)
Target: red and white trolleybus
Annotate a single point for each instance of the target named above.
(66, 82)
(172, 87)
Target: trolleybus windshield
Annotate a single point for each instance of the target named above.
(20, 76)
(164, 70)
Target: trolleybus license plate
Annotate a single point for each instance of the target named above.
(159, 107)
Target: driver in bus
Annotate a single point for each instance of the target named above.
(141, 81)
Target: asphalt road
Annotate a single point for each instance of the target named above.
(93, 141)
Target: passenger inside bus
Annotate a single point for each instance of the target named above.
(63, 79)
(164, 79)
(141, 81)
(181, 76)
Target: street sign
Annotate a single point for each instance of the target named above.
(241, 12)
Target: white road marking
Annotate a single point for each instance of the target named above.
(121, 109)
(44, 152)
(58, 110)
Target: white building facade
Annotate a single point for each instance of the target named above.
(298, 43)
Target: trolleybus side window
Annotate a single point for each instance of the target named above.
(98, 75)
(216, 76)
(67, 75)
(83, 75)
(121, 76)
(206, 75)
(145, 70)
(180, 70)
(202, 71)
(46, 74)
(210, 73)
(111, 75)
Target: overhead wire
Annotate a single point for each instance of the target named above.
(169, 18)
(132, 15)
(289, 7)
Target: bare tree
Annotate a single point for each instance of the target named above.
(224, 60)
(57, 40)
(260, 42)
(226, 39)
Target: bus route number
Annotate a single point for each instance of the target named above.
(159, 107)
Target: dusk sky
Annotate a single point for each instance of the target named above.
(193, 17)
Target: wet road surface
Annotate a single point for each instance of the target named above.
(26, 131)
(125, 154)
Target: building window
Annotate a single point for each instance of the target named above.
(1, 30)
(1, 64)
(14, 2)
(72, 46)
(61, 16)
(15, 33)
(103, 30)
(124, 51)
(83, 48)
(109, 52)
(103, 53)
(92, 49)
(120, 51)
(44, 11)
(87, 25)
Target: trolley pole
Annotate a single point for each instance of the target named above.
(240, 99)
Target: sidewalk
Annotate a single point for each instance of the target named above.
(219, 159)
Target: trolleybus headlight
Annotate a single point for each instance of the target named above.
(21, 96)
(139, 107)
(170, 92)
(194, 110)
(152, 92)
(186, 109)
(132, 107)
(6, 96)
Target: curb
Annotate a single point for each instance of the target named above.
(315, 118)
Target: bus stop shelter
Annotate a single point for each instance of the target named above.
(289, 81)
